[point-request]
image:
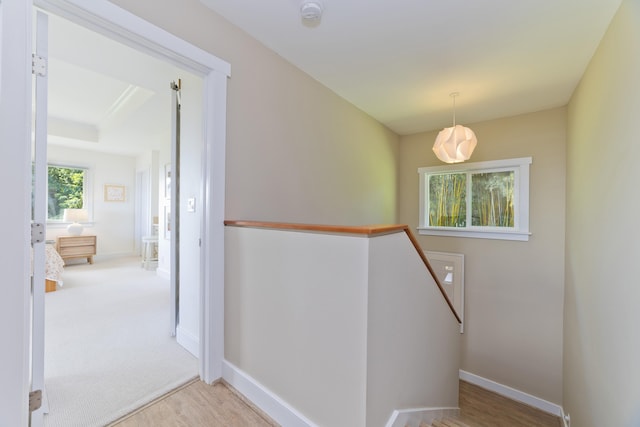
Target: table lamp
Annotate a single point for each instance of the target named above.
(75, 217)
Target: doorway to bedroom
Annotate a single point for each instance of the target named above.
(108, 325)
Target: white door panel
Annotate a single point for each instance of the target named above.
(39, 211)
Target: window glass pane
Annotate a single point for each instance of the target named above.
(447, 200)
(65, 190)
(492, 199)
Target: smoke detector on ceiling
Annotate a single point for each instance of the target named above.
(311, 10)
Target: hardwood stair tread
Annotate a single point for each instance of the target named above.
(448, 422)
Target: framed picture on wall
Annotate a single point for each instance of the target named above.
(167, 181)
(167, 222)
(114, 193)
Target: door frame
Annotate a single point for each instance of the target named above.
(15, 167)
(15, 87)
(119, 24)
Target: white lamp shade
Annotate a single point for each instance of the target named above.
(75, 216)
(455, 144)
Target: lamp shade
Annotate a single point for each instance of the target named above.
(455, 144)
(75, 217)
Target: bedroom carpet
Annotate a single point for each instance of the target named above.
(107, 344)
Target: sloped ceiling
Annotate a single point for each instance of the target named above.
(399, 60)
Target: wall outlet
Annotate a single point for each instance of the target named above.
(567, 420)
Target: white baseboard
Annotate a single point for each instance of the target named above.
(267, 401)
(565, 420)
(189, 341)
(165, 274)
(113, 255)
(512, 393)
(415, 417)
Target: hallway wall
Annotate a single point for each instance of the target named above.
(296, 152)
(513, 290)
(601, 345)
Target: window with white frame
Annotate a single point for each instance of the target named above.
(484, 200)
(66, 189)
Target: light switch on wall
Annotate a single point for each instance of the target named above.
(449, 277)
(191, 204)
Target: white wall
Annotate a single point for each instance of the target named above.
(113, 222)
(601, 338)
(149, 162)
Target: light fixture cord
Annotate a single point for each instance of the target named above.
(454, 110)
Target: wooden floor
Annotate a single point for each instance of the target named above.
(482, 408)
(199, 404)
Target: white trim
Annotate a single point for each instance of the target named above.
(1, 33)
(15, 126)
(501, 235)
(39, 206)
(272, 405)
(212, 253)
(489, 164)
(512, 393)
(520, 231)
(416, 417)
(188, 341)
(119, 24)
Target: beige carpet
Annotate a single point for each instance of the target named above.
(107, 346)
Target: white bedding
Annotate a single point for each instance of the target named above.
(54, 265)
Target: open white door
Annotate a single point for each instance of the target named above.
(174, 221)
(108, 18)
(39, 214)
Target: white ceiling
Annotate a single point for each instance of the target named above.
(105, 96)
(399, 60)
(396, 60)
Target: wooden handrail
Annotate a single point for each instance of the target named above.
(368, 230)
(433, 273)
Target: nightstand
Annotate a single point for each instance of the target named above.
(76, 247)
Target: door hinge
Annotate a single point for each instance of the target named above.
(35, 400)
(38, 65)
(37, 232)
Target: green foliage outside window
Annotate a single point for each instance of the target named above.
(492, 199)
(492, 203)
(447, 200)
(487, 200)
(65, 188)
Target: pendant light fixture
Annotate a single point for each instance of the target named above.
(455, 144)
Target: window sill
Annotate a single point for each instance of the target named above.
(522, 236)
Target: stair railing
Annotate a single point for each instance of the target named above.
(368, 230)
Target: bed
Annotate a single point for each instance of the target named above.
(53, 268)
